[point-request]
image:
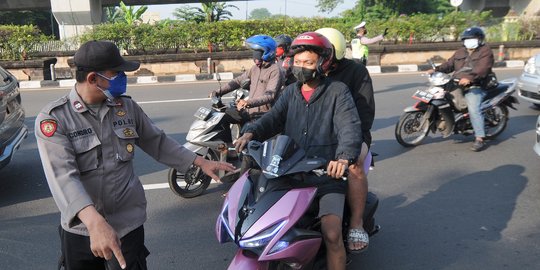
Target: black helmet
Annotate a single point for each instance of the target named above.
(283, 41)
(473, 32)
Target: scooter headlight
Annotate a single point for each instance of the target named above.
(225, 222)
(279, 246)
(263, 238)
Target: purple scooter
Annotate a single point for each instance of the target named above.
(271, 215)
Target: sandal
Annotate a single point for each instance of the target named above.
(357, 236)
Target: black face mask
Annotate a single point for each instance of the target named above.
(304, 75)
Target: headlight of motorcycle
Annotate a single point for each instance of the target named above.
(530, 67)
(279, 246)
(437, 92)
(225, 222)
(263, 238)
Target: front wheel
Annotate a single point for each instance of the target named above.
(191, 184)
(495, 120)
(409, 129)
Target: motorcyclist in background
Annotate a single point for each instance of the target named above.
(283, 43)
(266, 79)
(477, 56)
(356, 77)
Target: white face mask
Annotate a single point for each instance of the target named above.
(471, 43)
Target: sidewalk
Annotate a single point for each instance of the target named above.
(226, 76)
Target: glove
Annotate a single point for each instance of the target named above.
(385, 31)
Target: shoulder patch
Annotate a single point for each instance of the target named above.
(48, 127)
(57, 103)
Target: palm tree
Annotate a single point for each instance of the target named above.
(209, 12)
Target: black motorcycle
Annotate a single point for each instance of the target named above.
(442, 108)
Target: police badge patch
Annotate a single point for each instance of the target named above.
(121, 113)
(129, 147)
(48, 127)
(129, 133)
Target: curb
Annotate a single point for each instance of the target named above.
(226, 76)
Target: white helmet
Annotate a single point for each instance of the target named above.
(337, 39)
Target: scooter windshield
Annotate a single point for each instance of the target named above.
(276, 156)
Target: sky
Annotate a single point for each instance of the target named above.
(294, 8)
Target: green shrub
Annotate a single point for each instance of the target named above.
(180, 36)
(18, 41)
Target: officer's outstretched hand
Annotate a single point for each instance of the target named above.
(104, 241)
(210, 167)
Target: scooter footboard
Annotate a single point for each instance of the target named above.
(244, 261)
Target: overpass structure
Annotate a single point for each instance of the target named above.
(77, 16)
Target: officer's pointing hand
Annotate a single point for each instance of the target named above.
(211, 167)
(104, 241)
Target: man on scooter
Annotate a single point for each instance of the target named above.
(266, 79)
(356, 76)
(320, 116)
(476, 55)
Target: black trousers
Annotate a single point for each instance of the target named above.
(76, 253)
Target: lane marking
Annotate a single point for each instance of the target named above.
(166, 185)
(156, 186)
(176, 100)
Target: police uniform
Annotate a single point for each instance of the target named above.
(87, 159)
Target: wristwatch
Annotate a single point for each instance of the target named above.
(352, 161)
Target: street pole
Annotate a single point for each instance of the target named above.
(246, 10)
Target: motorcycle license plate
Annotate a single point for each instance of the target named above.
(423, 96)
(203, 113)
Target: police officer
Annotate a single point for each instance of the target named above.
(86, 140)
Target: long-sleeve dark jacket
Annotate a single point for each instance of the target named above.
(356, 77)
(480, 60)
(327, 126)
(266, 81)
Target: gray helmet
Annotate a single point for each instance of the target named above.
(283, 41)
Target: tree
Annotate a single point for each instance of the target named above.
(391, 6)
(259, 14)
(42, 19)
(328, 5)
(208, 12)
(127, 14)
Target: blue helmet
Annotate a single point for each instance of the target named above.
(263, 43)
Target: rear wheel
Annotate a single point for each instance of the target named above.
(409, 131)
(495, 120)
(191, 184)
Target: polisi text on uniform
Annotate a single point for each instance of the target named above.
(82, 132)
(123, 122)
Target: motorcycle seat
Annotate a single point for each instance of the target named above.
(493, 92)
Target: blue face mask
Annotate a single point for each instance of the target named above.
(117, 85)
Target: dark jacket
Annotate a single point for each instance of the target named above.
(480, 60)
(327, 126)
(356, 77)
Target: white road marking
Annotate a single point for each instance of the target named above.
(165, 185)
(175, 100)
(156, 186)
